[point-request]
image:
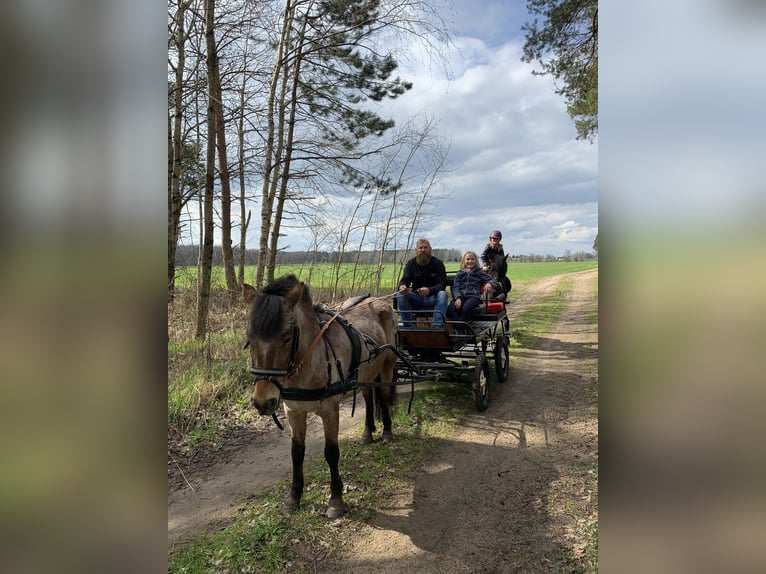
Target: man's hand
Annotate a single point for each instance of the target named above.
(424, 291)
(403, 288)
(458, 303)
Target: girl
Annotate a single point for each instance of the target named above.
(493, 250)
(467, 286)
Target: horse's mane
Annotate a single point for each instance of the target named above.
(280, 286)
(265, 318)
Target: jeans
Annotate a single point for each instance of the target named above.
(417, 302)
(466, 309)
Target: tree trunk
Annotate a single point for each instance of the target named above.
(244, 214)
(206, 264)
(223, 168)
(285, 172)
(175, 152)
(172, 222)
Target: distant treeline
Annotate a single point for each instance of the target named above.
(186, 255)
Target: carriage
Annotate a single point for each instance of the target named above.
(459, 351)
(310, 357)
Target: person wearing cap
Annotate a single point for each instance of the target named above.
(493, 250)
(423, 285)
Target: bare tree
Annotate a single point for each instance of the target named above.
(206, 266)
(327, 67)
(288, 89)
(175, 146)
(216, 98)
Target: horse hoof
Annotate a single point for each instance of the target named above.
(367, 437)
(335, 511)
(388, 437)
(289, 506)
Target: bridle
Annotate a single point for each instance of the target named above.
(293, 368)
(262, 373)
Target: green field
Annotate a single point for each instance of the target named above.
(325, 276)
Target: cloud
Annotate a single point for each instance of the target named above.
(514, 163)
(513, 151)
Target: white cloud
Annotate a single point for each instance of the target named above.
(516, 165)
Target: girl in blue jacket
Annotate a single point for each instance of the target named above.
(466, 288)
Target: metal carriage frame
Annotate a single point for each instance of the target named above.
(458, 352)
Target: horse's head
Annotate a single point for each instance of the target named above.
(498, 266)
(273, 335)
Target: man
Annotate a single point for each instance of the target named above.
(423, 286)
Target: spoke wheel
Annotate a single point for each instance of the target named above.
(481, 383)
(502, 363)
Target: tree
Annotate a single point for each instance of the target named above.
(175, 146)
(566, 47)
(216, 100)
(327, 67)
(206, 266)
(595, 244)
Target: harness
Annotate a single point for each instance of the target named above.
(345, 384)
(342, 386)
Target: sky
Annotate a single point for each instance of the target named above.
(515, 162)
(517, 165)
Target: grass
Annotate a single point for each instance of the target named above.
(206, 384)
(538, 319)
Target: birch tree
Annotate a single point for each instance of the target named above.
(328, 67)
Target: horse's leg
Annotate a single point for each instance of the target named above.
(297, 421)
(386, 399)
(331, 422)
(369, 415)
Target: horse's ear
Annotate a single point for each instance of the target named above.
(248, 292)
(297, 293)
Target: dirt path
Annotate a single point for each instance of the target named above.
(510, 492)
(506, 492)
(208, 489)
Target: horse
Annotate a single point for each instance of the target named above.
(498, 268)
(306, 356)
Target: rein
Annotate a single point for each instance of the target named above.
(331, 389)
(362, 299)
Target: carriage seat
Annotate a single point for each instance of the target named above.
(486, 311)
(483, 307)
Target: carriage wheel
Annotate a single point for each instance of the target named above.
(481, 383)
(502, 363)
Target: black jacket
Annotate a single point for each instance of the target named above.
(489, 254)
(433, 276)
